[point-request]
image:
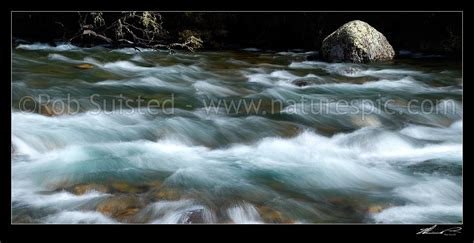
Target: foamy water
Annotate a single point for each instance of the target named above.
(303, 162)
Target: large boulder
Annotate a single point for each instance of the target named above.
(357, 42)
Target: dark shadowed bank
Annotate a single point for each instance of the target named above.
(435, 33)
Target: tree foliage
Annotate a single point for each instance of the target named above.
(132, 29)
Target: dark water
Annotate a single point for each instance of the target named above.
(328, 143)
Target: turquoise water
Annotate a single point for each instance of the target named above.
(357, 143)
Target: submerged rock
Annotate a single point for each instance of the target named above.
(365, 121)
(375, 209)
(121, 207)
(84, 188)
(167, 194)
(350, 70)
(84, 66)
(125, 187)
(127, 214)
(47, 110)
(50, 110)
(357, 42)
(301, 82)
(23, 219)
(313, 57)
(193, 217)
(155, 184)
(271, 215)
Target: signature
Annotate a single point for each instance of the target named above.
(429, 231)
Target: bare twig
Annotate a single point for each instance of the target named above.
(134, 29)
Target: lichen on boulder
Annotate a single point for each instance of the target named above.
(357, 42)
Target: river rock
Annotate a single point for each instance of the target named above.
(271, 215)
(125, 187)
(358, 42)
(166, 193)
(50, 110)
(47, 110)
(84, 188)
(375, 209)
(301, 82)
(193, 217)
(313, 56)
(84, 66)
(120, 207)
(360, 120)
(349, 70)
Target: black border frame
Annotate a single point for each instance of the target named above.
(131, 233)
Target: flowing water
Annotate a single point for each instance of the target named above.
(304, 155)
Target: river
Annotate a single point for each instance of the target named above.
(248, 136)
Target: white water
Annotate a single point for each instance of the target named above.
(78, 217)
(228, 166)
(244, 214)
(46, 47)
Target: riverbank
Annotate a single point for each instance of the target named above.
(433, 33)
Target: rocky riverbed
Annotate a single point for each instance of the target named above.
(318, 149)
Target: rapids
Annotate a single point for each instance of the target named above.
(200, 156)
